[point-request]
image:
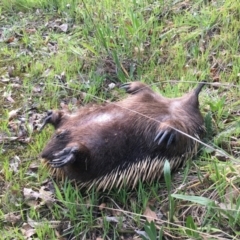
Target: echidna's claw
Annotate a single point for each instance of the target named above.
(158, 135)
(46, 120)
(125, 86)
(171, 138)
(135, 87)
(64, 157)
(164, 136)
(60, 162)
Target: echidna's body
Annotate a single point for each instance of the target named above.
(122, 142)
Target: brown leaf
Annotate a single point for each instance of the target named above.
(7, 95)
(12, 218)
(29, 194)
(30, 30)
(102, 206)
(9, 40)
(11, 70)
(33, 203)
(221, 157)
(15, 85)
(232, 194)
(112, 219)
(27, 230)
(33, 223)
(138, 50)
(47, 72)
(37, 89)
(34, 165)
(12, 114)
(5, 79)
(216, 85)
(46, 197)
(3, 139)
(14, 164)
(216, 78)
(149, 214)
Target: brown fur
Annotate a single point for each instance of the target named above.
(109, 144)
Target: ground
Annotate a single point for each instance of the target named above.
(65, 54)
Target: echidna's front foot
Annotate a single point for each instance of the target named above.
(47, 119)
(64, 157)
(53, 117)
(126, 87)
(165, 137)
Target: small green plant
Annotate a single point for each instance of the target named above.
(191, 227)
(151, 232)
(218, 109)
(167, 177)
(208, 125)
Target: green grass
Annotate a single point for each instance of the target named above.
(170, 45)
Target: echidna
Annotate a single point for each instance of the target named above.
(122, 142)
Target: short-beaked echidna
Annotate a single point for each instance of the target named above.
(122, 142)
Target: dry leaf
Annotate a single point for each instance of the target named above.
(216, 85)
(34, 165)
(7, 95)
(14, 164)
(47, 72)
(12, 218)
(12, 114)
(33, 223)
(3, 139)
(15, 85)
(30, 30)
(27, 230)
(33, 203)
(63, 76)
(51, 224)
(111, 86)
(46, 197)
(29, 194)
(11, 71)
(232, 194)
(9, 40)
(4, 79)
(63, 27)
(149, 214)
(37, 89)
(102, 206)
(112, 219)
(138, 50)
(221, 157)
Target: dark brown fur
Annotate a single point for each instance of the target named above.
(124, 141)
